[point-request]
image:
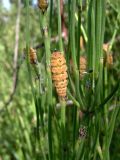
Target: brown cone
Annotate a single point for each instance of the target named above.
(33, 56)
(59, 73)
(83, 66)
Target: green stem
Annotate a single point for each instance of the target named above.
(78, 37)
(50, 133)
(27, 59)
(108, 136)
(51, 10)
(48, 79)
(114, 34)
(105, 95)
(72, 36)
(63, 133)
(73, 50)
(73, 99)
(59, 27)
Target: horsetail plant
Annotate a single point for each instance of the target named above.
(82, 131)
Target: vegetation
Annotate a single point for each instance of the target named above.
(59, 80)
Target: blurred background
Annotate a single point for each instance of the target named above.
(17, 111)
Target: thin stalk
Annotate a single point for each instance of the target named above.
(73, 50)
(63, 106)
(75, 120)
(50, 19)
(27, 59)
(114, 34)
(82, 29)
(48, 56)
(98, 34)
(28, 42)
(105, 95)
(63, 133)
(68, 55)
(46, 37)
(78, 36)
(72, 36)
(73, 99)
(110, 96)
(91, 50)
(90, 35)
(110, 133)
(41, 97)
(50, 133)
(103, 22)
(84, 33)
(59, 27)
(93, 56)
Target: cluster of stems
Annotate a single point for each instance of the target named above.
(82, 131)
